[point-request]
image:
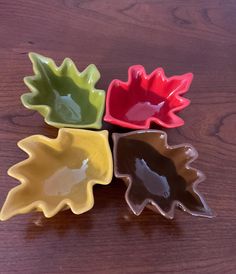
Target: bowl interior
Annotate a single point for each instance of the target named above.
(142, 99)
(70, 102)
(157, 173)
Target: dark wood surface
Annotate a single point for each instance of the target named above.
(181, 36)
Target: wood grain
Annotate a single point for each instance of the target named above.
(180, 36)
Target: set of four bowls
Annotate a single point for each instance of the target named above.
(60, 173)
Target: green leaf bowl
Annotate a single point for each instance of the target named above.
(64, 96)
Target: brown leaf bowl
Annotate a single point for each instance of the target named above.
(158, 175)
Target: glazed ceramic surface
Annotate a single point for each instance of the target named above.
(158, 175)
(63, 95)
(144, 99)
(59, 173)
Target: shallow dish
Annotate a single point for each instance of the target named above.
(158, 175)
(59, 173)
(144, 99)
(64, 96)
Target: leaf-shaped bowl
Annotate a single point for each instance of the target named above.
(59, 173)
(158, 175)
(64, 96)
(147, 98)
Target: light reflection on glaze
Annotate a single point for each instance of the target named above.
(62, 181)
(67, 108)
(154, 183)
(143, 110)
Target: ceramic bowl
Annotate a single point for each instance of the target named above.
(158, 175)
(64, 96)
(59, 173)
(144, 99)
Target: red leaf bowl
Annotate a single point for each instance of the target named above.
(147, 98)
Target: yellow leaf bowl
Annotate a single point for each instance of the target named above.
(64, 96)
(60, 173)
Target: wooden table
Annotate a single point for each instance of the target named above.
(180, 36)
